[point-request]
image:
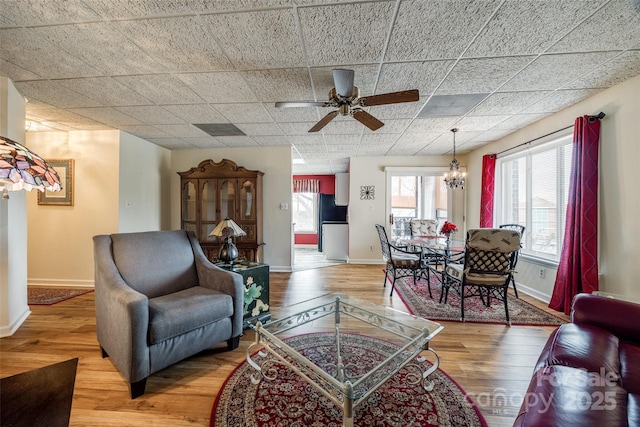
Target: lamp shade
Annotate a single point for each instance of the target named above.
(227, 223)
(22, 169)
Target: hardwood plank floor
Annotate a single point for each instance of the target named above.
(493, 363)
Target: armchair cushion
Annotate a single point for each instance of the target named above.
(183, 311)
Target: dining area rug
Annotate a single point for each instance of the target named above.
(416, 299)
(49, 296)
(288, 400)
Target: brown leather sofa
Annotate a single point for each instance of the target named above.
(588, 373)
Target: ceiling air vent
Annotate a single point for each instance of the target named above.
(220, 129)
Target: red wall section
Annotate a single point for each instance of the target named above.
(327, 186)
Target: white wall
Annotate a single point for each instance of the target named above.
(144, 176)
(364, 245)
(275, 162)
(13, 222)
(619, 228)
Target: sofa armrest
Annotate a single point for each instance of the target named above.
(614, 315)
(212, 277)
(122, 315)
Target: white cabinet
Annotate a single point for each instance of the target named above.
(336, 241)
(342, 189)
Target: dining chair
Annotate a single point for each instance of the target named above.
(487, 268)
(399, 261)
(520, 229)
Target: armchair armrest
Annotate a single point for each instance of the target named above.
(122, 315)
(212, 277)
(616, 316)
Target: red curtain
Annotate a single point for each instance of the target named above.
(578, 268)
(486, 196)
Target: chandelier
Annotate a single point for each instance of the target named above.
(454, 178)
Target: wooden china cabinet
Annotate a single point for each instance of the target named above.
(213, 191)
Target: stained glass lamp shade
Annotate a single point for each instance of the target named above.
(227, 228)
(22, 169)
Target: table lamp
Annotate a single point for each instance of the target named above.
(226, 229)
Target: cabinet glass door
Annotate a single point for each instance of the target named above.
(248, 200)
(228, 199)
(189, 206)
(208, 207)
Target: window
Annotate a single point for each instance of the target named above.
(533, 191)
(305, 212)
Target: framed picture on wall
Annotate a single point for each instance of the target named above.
(64, 167)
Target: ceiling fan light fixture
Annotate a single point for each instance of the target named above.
(455, 178)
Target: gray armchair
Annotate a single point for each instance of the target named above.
(159, 300)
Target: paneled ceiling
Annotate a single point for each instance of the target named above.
(154, 68)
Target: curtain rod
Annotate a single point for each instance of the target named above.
(599, 116)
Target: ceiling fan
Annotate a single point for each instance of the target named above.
(346, 98)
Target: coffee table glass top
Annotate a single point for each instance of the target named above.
(338, 372)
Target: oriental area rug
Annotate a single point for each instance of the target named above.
(288, 400)
(48, 296)
(416, 298)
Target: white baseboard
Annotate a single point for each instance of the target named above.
(67, 283)
(367, 261)
(280, 269)
(8, 330)
(533, 292)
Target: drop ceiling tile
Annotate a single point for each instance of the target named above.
(182, 130)
(424, 76)
(179, 44)
(300, 128)
(48, 12)
(266, 129)
(417, 140)
(26, 50)
(479, 123)
(559, 100)
(220, 87)
(621, 68)
(345, 34)
(68, 118)
(196, 113)
(161, 89)
(506, 102)
(614, 27)
(291, 84)
(100, 45)
(433, 124)
(302, 114)
(150, 114)
(519, 121)
(34, 105)
(52, 93)
(550, 72)
(490, 136)
(150, 8)
(147, 132)
(439, 29)
(15, 72)
(106, 89)
(307, 139)
(270, 141)
(107, 115)
(527, 27)
(482, 75)
(344, 125)
(312, 149)
(342, 140)
(172, 143)
(369, 140)
(390, 127)
(273, 34)
(237, 141)
(204, 142)
(406, 110)
(365, 77)
(244, 113)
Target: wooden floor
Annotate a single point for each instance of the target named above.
(493, 363)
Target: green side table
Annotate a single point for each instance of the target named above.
(255, 277)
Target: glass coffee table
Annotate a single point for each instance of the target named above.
(337, 374)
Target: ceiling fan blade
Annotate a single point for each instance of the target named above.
(301, 104)
(323, 122)
(366, 119)
(390, 98)
(343, 81)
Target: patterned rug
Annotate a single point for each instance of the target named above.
(289, 401)
(48, 296)
(417, 300)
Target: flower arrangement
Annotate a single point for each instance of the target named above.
(448, 228)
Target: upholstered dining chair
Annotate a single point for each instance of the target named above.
(399, 262)
(487, 268)
(520, 229)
